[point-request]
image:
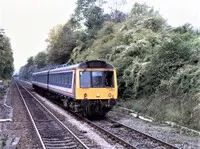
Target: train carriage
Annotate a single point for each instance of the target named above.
(89, 87)
(40, 79)
(62, 81)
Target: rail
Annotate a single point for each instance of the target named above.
(59, 135)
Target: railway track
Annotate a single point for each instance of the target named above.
(126, 136)
(139, 139)
(51, 131)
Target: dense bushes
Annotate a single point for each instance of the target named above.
(186, 80)
(170, 56)
(145, 50)
(157, 65)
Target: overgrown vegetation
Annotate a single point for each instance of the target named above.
(3, 140)
(6, 57)
(157, 65)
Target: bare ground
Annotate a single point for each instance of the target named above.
(20, 127)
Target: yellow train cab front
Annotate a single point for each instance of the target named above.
(95, 84)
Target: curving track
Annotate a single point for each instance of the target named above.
(50, 130)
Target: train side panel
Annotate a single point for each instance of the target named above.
(62, 82)
(40, 79)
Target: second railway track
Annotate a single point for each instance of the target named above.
(127, 136)
(51, 131)
(138, 139)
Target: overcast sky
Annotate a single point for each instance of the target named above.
(27, 22)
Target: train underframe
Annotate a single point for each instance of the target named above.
(90, 108)
(86, 107)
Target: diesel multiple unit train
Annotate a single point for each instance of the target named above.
(88, 87)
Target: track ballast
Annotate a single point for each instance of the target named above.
(122, 134)
(51, 131)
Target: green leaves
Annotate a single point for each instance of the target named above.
(40, 60)
(6, 58)
(172, 55)
(59, 52)
(147, 52)
(186, 80)
(141, 10)
(26, 71)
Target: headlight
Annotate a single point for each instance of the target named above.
(85, 95)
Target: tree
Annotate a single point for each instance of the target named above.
(59, 52)
(6, 57)
(94, 20)
(40, 60)
(89, 13)
(172, 55)
(186, 28)
(143, 16)
(54, 34)
(141, 10)
(82, 7)
(27, 70)
(30, 62)
(117, 16)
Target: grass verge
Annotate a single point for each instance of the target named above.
(184, 110)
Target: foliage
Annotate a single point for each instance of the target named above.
(157, 65)
(117, 16)
(94, 20)
(40, 60)
(82, 8)
(54, 34)
(173, 54)
(6, 57)
(59, 52)
(185, 81)
(26, 71)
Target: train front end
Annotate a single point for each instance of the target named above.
(96, 87)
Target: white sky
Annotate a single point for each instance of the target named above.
(27, 22)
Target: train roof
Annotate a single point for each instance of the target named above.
(85, 64)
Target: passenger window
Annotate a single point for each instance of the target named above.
(70, 79)
(63, 78)
(67, 79)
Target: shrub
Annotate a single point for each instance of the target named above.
(107, 29)
(186, 81)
